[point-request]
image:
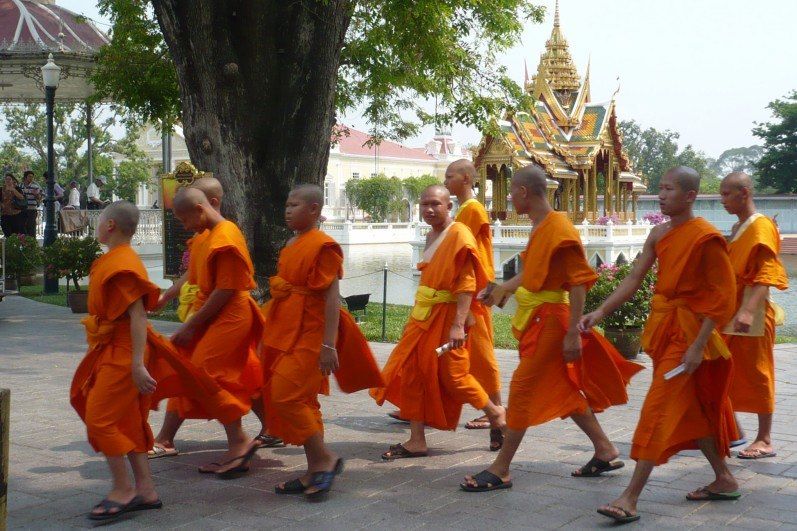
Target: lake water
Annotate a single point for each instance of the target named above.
(363, 266)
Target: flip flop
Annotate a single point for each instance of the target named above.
(703, 494)
(269, 441)
(496, 439)
(107, 505)
(323, 481)
(294, 486)
(738, 442)
(395, 415)
(242, 468)
(626, 517)
(478, 424)
(755, 454)
(595, 467)
(158, 451)
(397, 451)
(203, 470)
(138, 504)
(485, 482)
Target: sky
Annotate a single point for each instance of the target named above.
(704, 68)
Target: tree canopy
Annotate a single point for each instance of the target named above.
(777, 166)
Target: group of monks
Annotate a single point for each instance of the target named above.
(230, 356)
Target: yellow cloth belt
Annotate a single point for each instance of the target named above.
(688, 321)
(425, 300)
(780, 314)
(188, 296)
(281, 288)
(528, 301)
(98, 332)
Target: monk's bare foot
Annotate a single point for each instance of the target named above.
(497, 417)
(723, 484)
(503, 474)
(757, 450)
(479, 423)
(416, 447)
(329, 465)
(120, 496)
(305, 480)
(619, 509)
(147, 495)
(238, 455)
(162, 449)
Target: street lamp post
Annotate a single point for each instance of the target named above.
(51, 74)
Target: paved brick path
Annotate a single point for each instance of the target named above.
(56, 478)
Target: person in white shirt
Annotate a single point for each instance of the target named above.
(74, 196)
(93, 194)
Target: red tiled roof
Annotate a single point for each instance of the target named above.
(354, 143)
(29, 26)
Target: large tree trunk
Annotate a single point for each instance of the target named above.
(257, 80)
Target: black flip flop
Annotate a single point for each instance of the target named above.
(626, 517)
(106, 505)
(397, 451)
(396, 416)
(485, 482)
(269, 441)
(242, 468)
(138, 504)
(595, 467)
(496, 439)
(294, 486)
(323, 482)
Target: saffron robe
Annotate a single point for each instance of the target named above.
(294, 334)
(425, 387)
(545, 387)
(695, 280)
(754, 253)
(483, 365)
(103, 392)
(226, 349)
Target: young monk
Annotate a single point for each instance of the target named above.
(308, 337)
(557, 376)
(226, 326)
(695, 294)
(111, 386)
(754, 248)
(460, 178)
(430, 388)
(186, 289)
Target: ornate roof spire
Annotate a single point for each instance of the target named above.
(556, 15)
(556, 65)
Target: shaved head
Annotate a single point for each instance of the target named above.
(464, 167)
(124, 214)
(687, 178)
(533, 178)
(739, 180)
(309, 193)
(210, 186)
(187, 198)
(437, 189)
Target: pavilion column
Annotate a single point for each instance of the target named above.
(483, 185)
(89, 140)
(633, 204)
(607, 194)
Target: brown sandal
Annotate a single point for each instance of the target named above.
(397, 451)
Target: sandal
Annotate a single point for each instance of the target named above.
(269, 441)
(107, 506)
(138, 504)
(595, 467)
(480, 423)
(755, 454)
(204, 470)
(496, 439)
(159, 451)
(485, 482)
(396, 415)
(703, 494)
(624, 517)
(294, 486)
(397, 451)
(242, 468)
(323, 481)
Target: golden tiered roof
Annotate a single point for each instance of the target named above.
(556, 67)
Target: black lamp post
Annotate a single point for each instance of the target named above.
(51, 74)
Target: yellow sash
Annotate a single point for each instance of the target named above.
(661, 308)
(188, 296)
(98, 331)
(426, 298)
(780, 313)
(528, 301)
(279, 288)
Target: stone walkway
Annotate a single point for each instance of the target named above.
(56, 478)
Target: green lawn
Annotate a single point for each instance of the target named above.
(371, 323)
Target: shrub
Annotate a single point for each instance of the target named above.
(631, 314)
(655, 218)
(23, 255)
(71, 258)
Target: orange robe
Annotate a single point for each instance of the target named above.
(695, 279)
(294, 334)
(102, 390)
(754, 257)
(226, 348)
(483, 365)
(423, 386)
(544, 387)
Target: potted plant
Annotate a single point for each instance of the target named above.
(624, 326)
(71, 258)
(23, 257)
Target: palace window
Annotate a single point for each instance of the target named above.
(327, 192)
(355, 175)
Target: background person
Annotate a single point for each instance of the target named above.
(33, 196)
(12, 219)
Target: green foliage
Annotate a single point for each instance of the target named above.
(16, 161)
(413, 186)
(778, 165)
(71, 258)
(631, 314)
(738, 159)
(395, 56)
(23, 255)
(379, 196)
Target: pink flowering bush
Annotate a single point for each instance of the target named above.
(71, 258)
(655, 218)
(604, 220)
(631, 314)
(186, 257)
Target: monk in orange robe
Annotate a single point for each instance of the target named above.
(308, 336)
(185, 288)
(460, 178)
(754, 248)
(695, 294)
(560, 373)
(225, 327)
(430, 387)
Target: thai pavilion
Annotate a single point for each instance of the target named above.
(574, 139)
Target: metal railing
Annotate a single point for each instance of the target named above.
(150, 226)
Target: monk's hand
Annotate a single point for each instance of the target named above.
(572, 346)
(456, 336)
(693, 358)
(328, 361)
(492, 295)
(184, 335)
(743, 321)
(589, 320)
(144, 382)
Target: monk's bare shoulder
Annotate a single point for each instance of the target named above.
(658, 232)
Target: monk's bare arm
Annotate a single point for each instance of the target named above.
(501, 291)
(572, 342)
(173, 291)
(328, 360)
(138, 334)
(744, 317)
(216, 301)
(457, 333)
(628, 286)
(694, 354)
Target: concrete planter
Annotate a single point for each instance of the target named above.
(626, 341)
(78, 301)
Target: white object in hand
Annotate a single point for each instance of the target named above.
(675, 372)
(442, 349)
